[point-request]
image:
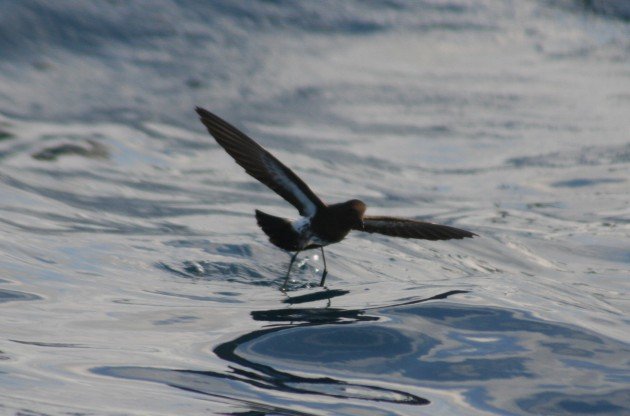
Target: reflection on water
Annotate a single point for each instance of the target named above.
(500, 360)
(313, 297)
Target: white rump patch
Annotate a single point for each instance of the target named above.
(302, 227)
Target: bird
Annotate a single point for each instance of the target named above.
(319, 224)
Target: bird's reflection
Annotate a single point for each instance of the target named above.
(326, 294)
(257, 375)
(387, 355)
(329, 315)
(266, 376)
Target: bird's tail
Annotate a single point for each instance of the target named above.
(279, 230)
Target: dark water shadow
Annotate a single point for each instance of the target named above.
(13, 295)
(91, 149)
(252, 375)
(326, 294)
(49, 344)
(498, 360)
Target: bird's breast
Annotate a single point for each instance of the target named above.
(329, 229)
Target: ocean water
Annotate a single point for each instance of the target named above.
(133, 277)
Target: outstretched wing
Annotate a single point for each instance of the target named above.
(261, 164)
(406, 228)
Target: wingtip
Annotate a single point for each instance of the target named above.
(468, 235)
(201, 111)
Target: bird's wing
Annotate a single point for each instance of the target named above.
(406, 228)
(261, 164)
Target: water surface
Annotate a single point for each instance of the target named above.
(134, 279)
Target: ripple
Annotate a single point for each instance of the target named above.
(224, 298)
(14, 295)
(233, 250)
(589, 155)
(582, 182)
(50, 344)
(218, 270)
(563, 404)
(90, 149)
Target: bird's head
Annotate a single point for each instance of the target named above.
(354, 211)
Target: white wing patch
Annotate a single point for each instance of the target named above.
(281, 179)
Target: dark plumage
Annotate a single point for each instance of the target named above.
(407, 228)
(320, 224)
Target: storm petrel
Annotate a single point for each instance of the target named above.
(320, 224)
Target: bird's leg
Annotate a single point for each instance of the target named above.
(286, 279)
(325, 269)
